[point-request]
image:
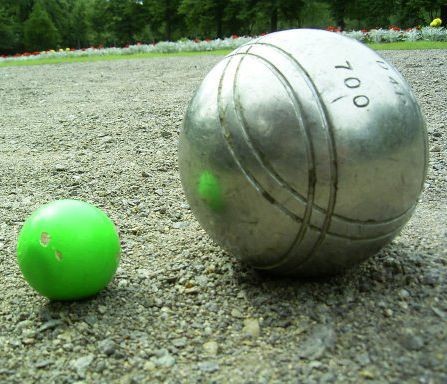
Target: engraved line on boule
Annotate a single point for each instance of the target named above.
(328, 128)
(267, 167)
(258, 187)
(306, 76)
(331, 150)
(227, 138)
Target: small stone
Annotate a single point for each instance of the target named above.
(251, 328)
(430, 278)
(388, 312)
(366, 374)
(81, 364)
(159, 192)
(102, 309)
(91, 319)
(211, 348)
(149, 366)
(180, 342)
(411, 342)
(363, 359)
(50, 325)
(208, 366)
(180, 224)
(404, 294)
(42, 364)
(123, 283)
(442, 314)
(322, 338)
(60, 168)
(202, 280)
(192, 290)
(107, 346)
(436, 148)
(166, 360)
(166, 134)
(236, 313)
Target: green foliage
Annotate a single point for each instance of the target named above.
(40, 32)
(166, 21)
(8, 34)
(32, 24)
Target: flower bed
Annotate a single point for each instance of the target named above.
(394, 34)
(379, 35)
(162, 47)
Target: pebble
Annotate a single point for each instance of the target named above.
(322, 338)
(211, 348)
(251, 328)
(107, 346)
(180, 224)
(411, 342)
(123, 283)
(43, 364)
(82, 363)
(60, 168)
(180, 342)
(50, 325)
(166, 360)
(208, 366)
(149, 365)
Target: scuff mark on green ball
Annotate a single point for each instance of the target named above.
(210, 191)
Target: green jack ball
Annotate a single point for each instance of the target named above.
(68, 250)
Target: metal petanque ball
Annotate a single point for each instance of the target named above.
(303, 152)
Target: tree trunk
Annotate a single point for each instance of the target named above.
(274, 19)
(168, 20)
(444, 15)
(219, 10)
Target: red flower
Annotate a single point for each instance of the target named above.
(196, 40)
(234, 36)
(331, 28)
(394, 28)
(207, 39)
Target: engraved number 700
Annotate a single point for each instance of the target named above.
(359, 101)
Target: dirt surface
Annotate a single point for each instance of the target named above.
(180, 309)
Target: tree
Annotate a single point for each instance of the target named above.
(40, 32)
(164, 17)
(79, 26)
(338, 11)
(8, 37)
(204, 18)
(280, 11)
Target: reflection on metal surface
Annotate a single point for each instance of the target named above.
(303, 152)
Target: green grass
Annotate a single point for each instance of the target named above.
(403, 45)
(83, 59)
(409, 45)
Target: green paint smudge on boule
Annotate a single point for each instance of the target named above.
(210, 191)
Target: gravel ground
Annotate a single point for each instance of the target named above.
(180, 309)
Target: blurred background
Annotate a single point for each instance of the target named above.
(36, 25)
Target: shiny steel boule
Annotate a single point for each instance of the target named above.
(303, 152)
